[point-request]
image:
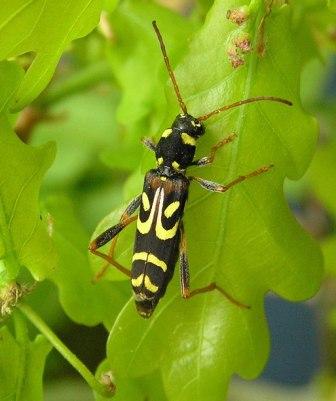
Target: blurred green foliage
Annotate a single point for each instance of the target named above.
(109, 90)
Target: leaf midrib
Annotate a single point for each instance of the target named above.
(222, 227)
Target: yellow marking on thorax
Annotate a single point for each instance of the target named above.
(159, 161)
(163, 178)
(145, 201)
(137, 282)
(144, 226)
(166, 133)
(176, 165)
(171, 209)
(160, 231)
(187, 139)
(150, 258)
(149, 285)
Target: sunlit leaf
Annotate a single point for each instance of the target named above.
(22, 233)
(84, 301)
(246, 240)
(137, 68)
(137, 389)
(45, 29)
(22, 365)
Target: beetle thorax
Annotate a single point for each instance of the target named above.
(177, 145)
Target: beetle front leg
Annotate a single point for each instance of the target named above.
(204, 161)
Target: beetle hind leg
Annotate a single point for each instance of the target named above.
(109, 257)
(213, 286)
(112, 234)
(184, 277)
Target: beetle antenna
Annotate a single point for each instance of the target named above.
(170, 71)
(241, 102)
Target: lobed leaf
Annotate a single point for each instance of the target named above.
(22, 365)
(44, 28)
(136, 68)
(321, 179)
(246, 240)
(22, 233)
(83, 300)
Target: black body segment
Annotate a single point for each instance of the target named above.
(157, 237)
(176, 148)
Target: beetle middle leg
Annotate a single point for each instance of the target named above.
(205, 161)
(215, 187)
(184, 276)
(112, 234)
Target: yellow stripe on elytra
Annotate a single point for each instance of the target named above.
(149, 285)
(171, 209)
(157, 262)
(160, 231)
(145, 201)
(144, 226)
(187, 139)
(150, 258)
(140, 256)
(137, 282)
(166, 133)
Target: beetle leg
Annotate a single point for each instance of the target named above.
(214, 286)
(204, 161)
(112, 234)
(149, 143)
(215, 187)
(184, 276)
(184, 264)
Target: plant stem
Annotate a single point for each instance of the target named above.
(105, 391)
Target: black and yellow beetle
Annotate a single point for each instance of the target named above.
(160, 236)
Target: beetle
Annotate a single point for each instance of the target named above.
(160, 238)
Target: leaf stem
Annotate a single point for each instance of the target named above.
(103, 390)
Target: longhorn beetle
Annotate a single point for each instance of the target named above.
(160, 236)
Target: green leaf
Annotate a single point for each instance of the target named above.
(320, 176)
(110, 5)
(144, 388)
(23, 235)
(84, 301)
(78, 145)
(22, 365)
(246, 240)
(30, 26)
(332, 5)
(322, 173)
(10, 77)
(136, 66)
